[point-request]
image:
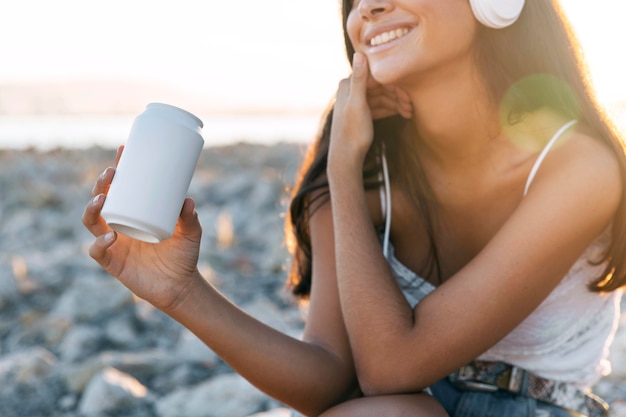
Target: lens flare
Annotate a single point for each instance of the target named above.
(535, 107)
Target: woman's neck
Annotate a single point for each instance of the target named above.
(455, 119)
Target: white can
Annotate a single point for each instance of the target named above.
(154, 172)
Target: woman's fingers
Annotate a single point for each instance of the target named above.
(352, 92)
(99, 249)
(188, 222)
(405, 106)
(359, 79)
(91, 216)
(352, 128)
(386, 101)
(103, 182)
(120, 150)
(382, 106)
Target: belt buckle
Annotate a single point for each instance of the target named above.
(475, 385)
(516, 377)
(510, 380)
(465, 379)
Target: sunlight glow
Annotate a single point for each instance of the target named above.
(246, 52)
(601, 30)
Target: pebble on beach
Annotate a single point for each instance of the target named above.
(74, 342)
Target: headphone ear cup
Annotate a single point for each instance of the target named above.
(497, 14)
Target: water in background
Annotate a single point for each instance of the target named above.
(46, 132)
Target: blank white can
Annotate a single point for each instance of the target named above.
(153, 175)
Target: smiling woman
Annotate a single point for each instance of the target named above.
(415, 199)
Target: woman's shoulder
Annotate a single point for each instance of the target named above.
(587, 146)
(578, 162)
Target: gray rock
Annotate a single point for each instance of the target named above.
(226, 395)
(62, 303)
(38, 397)
(141, 364)
(28, 384)
(266, 195)
(36, 330)
(67, 402)
(91, 298)
(276, 412)
(112, 390)
(80, 342)
(157, 329)
(27, 366)
(121, 330)
(185, 375)
(9, 291)
(618, 408)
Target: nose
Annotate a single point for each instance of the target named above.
(370, 9)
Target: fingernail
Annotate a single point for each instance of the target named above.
(102, 174)
(109, 236)
(96, 200)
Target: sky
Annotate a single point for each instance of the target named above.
(239, 52)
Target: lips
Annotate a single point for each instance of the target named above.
(388, 36)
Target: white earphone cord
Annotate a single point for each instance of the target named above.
(387, 204)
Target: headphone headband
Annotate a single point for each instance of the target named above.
(497, 14)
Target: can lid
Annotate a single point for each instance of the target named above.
(173, 110)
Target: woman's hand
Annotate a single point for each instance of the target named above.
(352, 128)
(359, 101)
(386, 101)
(159, 273)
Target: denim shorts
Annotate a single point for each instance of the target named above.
(460, 403)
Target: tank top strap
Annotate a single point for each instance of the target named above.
(544, 152)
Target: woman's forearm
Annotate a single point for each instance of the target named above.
(376, 313)
(305, 376)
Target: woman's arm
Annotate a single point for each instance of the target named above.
(310, 375)
(399, 350)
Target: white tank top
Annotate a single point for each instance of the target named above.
(567, 337)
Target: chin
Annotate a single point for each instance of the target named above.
(388, 68)
(387, 74)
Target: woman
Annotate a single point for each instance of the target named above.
(443, 251)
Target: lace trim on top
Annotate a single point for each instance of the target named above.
(413, 286)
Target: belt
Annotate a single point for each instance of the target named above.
(499, 376)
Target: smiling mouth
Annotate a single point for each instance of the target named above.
(386, 37)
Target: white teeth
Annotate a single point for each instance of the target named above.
(388, 36)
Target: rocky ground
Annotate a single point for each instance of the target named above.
(74, 342)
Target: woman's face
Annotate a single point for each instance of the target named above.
(405, 39)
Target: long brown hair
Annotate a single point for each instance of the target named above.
(540, 43)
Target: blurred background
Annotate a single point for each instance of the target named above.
(75, 72)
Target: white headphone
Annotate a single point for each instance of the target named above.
(497, 14)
